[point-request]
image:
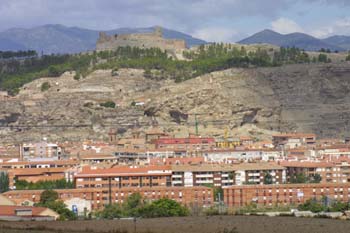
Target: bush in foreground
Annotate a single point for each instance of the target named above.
(135, 206)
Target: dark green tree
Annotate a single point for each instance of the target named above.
(316, 178)
(108, 104)
(322, 58)
(53, 71)
(268, 178)
(49, 199)
(299, 178)
(48, 196)
(163, 208)
(4, 182)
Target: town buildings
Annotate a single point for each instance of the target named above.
(283, 194)
(187, 169)
(99, 197)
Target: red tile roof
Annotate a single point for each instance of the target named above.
(125, 171)
(305, 164)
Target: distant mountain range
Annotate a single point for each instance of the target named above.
(300, 40)
(55, 38)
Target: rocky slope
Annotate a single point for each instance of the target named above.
(259, 102)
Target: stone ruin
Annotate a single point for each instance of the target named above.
(142, 40)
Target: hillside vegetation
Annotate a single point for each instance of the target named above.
(14, 73)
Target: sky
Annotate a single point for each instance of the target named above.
(211, 20)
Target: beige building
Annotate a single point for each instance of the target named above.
(5, 201)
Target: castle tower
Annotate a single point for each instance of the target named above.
(103, 36)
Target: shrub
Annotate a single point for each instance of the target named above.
(348, 57)
(53, 71)
(77, 76)
(135, 206)
(163, 208)
(323, 58)
(339, 206)
(114, 72)
(108, 104)
(312, 205)
(45, 86)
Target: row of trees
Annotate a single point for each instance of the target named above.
(17, 54)
(50, 184)
(135, 206)
(157, 63)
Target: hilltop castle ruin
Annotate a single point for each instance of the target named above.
(143, 40)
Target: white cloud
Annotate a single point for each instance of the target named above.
(216, 34)
(285, 26)
(338, 27)
(322, 32)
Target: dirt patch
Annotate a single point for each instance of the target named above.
(216, 224)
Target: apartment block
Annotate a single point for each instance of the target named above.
(41, 150)
(191, 144)
(122, 176)
(99, 197)
(204, 174)
(283, 194)
(254, 173)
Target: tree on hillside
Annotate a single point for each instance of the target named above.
(53, 71)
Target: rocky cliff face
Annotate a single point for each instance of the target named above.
(305, 98)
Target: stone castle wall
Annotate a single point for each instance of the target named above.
(142, 40)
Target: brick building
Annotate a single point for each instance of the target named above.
(191, 144)
(336, 171)
(39, 164)
(99, 197)
(36, 174)
(119, 177)
(284, 194)
(293, 140)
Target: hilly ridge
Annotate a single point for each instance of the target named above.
(55, 38)
(299, 40)
(255, 101)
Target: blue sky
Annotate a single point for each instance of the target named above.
(212, 20)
